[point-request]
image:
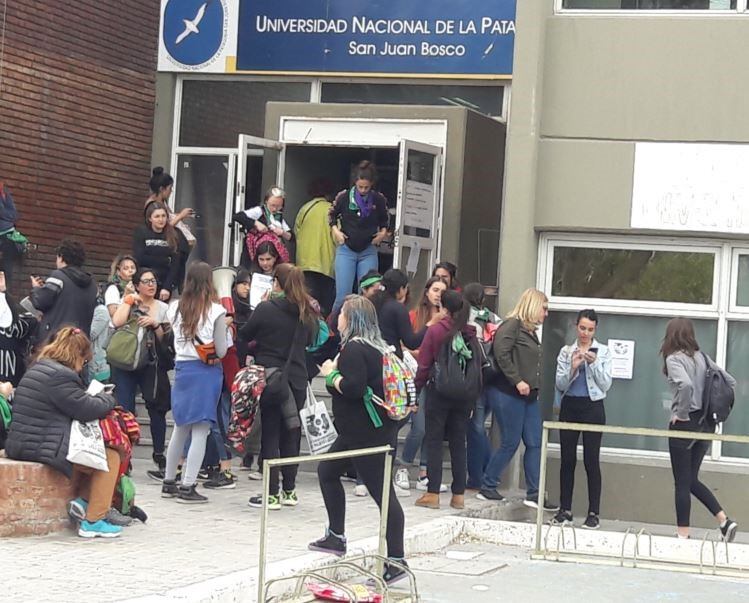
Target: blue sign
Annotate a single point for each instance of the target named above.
(418, 37)
(194, 30)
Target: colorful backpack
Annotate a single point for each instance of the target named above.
(255, 239)
(248, 386)
(397, 385)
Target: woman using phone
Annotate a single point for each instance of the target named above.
(582, 379)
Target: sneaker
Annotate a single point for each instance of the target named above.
(77, 509)
(207, 473)
(159, 460)
(532, 502)
(330, 543)
(289, 498)
(247, 460)
(360, 490)
(274, 502)
(223, 481)
(98, 529)
(402, 479)
(393, 573)
(156, 475)
(169, 488)
(591, 522)
(348, 477)
(562, 518)
(255, 476)
(138, 513)
(489, 494)
(423, 484)
(728, 530)
(116, 518)
(189, 495)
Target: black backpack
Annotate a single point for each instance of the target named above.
(453, 381)
(718, 395)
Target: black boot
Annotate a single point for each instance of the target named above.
(188, 495)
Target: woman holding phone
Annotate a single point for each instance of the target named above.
(582, 379)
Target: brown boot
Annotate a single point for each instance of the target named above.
(458, 501)
(429, 500)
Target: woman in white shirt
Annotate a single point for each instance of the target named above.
(200, 341)
(120, 281)
(262, 221)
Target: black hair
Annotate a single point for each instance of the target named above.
(474, 294)
(139, 275)
(392, 281)
(369, 275)
(321, 187)
(243, 276)
(71, 252)
(159, 179)
(366, 170)
(588, 313)
(459, 309)
(452, 269)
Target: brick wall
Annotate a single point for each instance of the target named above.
(76, 117)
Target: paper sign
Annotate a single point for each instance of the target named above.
(622, 358)
(412, 265)
(261, 284)
(95, 387)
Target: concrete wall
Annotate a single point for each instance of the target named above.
(163, 124)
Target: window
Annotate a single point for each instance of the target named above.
(633, 274)
(742, 284)
(484, 99)
(214, 113)
(650, 4)
(737, 359)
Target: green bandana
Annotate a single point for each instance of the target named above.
(4, 411)
(369, 405)
(483, 314)
(461, 349)
(278, 216)
(372, 280)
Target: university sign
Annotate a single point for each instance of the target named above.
(438, 38)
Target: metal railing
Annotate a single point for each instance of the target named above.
(328, 456)
(611, 429)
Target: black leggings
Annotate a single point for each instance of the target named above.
(580, 410)
(446, 419)
(686, 459)
(371, 470)
(278, 441)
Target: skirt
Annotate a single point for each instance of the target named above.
(196, 391)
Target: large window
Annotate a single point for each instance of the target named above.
(650, 4)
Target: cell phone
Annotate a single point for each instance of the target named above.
(593, 350)
(108, 388)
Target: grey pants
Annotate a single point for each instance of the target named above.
(198, 433)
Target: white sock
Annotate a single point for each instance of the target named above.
(682, 537)
(724, 522)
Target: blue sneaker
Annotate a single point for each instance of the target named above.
(98, 529)
(77, 509)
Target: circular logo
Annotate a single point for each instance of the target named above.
(194, 30)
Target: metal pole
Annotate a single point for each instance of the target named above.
(263, 532)
(541, 488)
(384, 508)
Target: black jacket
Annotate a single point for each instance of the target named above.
(395, 325)
(242, 313)
(359, 230)
(68, 297)
(46, 401)
(518, 354)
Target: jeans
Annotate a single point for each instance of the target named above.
(126, 387)
(415, 437)
(446, 418)
(478, 447)
(219, 429)
(518, 419)
(350, 267)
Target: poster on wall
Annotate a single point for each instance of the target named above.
(622, 358)
(439, 38)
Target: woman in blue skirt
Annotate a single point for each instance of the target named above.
(199, 325)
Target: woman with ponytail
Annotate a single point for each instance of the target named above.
(282, 327)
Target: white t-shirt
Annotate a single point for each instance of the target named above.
(184, 348)
(255, 213)
(112, 296)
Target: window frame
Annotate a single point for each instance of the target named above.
(741, 9)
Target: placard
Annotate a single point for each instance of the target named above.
(261, 285)
(622, 358)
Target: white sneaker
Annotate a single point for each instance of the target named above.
(255, 476)
(402, 483)
(423, 484)
(360, 490)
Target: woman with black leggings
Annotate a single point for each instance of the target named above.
(685, 367)
(583, 377)
(353, 381)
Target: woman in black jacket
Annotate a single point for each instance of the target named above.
(50, 396)
(156, 245)
(281, 328)
(352, 381)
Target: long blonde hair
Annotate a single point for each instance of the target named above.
(528, 308)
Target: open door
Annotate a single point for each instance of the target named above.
(259, 165)
(417, 218)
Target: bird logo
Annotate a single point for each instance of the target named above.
(191, 26)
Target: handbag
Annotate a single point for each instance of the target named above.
(206, 352)
(317, 424)
(275, 378)
(86, 445)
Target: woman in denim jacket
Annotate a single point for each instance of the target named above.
(583, 377)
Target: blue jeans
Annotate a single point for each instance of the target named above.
(350, 267)
(518, 419)
(219, 429)
(415, 437)
(479, 450)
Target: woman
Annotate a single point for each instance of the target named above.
(352, 381)
(156, 245)
(152, 378)
(50, 396)
(427, 310)
(17, 327)
(685, 366)
(447, 272)
(446, 417)
(358, 221)
(281, 328)
(478, 449)
(120, 281)
(582, 380)
(514, 397)
(263, 222)
(199, 325)
(266, 258)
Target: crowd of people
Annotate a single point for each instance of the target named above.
(332, 313)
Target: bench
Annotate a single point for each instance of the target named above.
(33, 498)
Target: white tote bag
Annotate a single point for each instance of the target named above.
(86, 445)
(318, 426)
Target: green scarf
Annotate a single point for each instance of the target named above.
(4, 411)
(483, 314)
(368, 396)
(278, 216)
(461, 349)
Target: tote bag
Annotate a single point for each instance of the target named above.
(317, 424)
(87, 445)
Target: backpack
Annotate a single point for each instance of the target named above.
(254, 239)
(718, 395)
(398, 387)
(489, 368)
(130, 346)
(456, 378)
(246, 390)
